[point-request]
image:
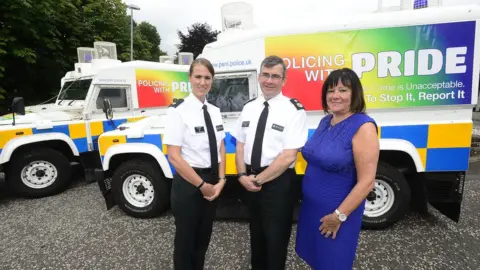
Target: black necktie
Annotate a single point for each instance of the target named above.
(257, 143)
(212, 141)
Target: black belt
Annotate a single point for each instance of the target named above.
(202, 170)
(257, 171)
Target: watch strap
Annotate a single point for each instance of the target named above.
(340, 215)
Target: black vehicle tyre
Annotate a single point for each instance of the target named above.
(389, 200)
(140, 189)
(39, 173)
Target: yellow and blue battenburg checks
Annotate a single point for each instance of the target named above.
(76, 131)
(441, 147)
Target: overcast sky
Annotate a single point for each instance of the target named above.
(172, 15)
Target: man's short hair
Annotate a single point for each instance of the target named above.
(274, 60)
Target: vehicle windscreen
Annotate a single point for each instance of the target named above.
(229, 94)
(75, 90)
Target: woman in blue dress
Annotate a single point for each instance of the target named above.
(342, 158)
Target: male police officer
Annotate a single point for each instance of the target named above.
(270, 131)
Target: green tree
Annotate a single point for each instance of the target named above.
(197, 36)
(149, 33)
(39, 40)
(105, 20)
(33, 35)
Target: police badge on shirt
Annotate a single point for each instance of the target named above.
(199, 130)
(277, 127)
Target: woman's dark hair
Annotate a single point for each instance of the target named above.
(203, 62)
(350, 79)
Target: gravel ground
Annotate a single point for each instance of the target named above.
(74, 231)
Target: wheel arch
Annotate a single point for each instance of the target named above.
(118, 159)
(57, 141)
(401, 154)
(121, 152)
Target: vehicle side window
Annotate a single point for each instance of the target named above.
(229, 94)
(117, 96)
(75, 90)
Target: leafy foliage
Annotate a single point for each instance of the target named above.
(149, 34)
(39, 40)
(197, 36)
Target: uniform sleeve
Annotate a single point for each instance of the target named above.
(220, 120)
(174, 128)
(297, 131)
(237, 132)
(222, 136)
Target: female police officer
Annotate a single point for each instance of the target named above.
(194, 137)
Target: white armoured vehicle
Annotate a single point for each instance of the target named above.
(38, 144)
(420, 72)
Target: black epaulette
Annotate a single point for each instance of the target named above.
(176, 102)
(249, 101)
(297, 104)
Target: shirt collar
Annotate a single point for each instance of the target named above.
(273, 101)
(196, 102)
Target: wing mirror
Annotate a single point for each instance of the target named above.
(107, 108)
(18, 107)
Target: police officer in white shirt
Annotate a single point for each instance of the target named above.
(194, 137)
(269, 133)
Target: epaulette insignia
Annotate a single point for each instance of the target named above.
(297, 104)
(249, 101)
(176, 102)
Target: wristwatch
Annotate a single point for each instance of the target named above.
(241, 174)
(342, 217)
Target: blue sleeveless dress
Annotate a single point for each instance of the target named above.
(329, 178)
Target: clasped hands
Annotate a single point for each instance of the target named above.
(250, 183)
(330, 225)
(211, 192)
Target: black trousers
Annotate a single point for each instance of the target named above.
(271, 218)
(194, 217)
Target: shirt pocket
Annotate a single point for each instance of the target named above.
(197, 135)
(274, 134)
(276, 129)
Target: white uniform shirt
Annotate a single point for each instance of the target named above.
(185, 127)
(286, 128)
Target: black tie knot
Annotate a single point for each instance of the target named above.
(204, 107)
(265, 103)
